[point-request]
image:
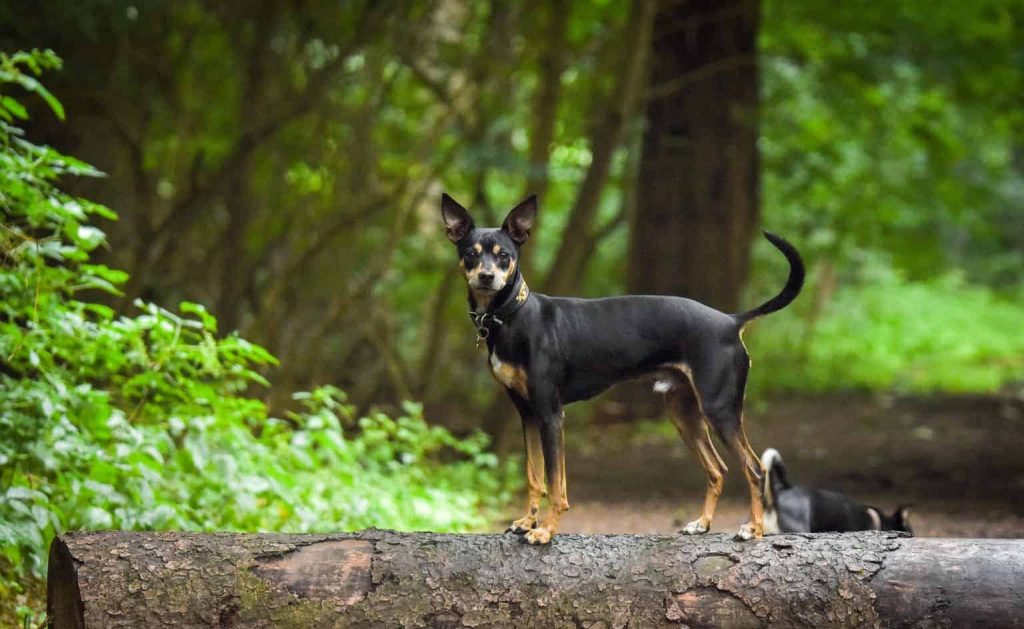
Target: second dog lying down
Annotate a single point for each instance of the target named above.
(794, 509)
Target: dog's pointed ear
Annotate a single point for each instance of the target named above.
(519, 221)
(902, 517)
(876, 518)
(457, 220)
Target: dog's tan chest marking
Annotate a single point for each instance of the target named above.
(511, 376)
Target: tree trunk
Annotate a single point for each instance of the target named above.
(384, 579)
(698, 189)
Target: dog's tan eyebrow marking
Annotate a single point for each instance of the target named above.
(479, 248)
(495, 249)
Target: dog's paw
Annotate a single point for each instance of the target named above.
(747, 532)
(538, 536)
(697, 527)
(522, 526)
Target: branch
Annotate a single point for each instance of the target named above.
(290, 109)
(435, 330)
(703, 73)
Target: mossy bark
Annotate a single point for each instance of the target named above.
(385, 579)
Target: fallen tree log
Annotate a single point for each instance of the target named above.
(385, 579)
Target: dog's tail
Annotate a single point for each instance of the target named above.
(789, 291)
(774, 476)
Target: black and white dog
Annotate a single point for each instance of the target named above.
(793, 509)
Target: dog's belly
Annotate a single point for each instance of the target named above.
(589, 373)
(583, 386)
(580, 389)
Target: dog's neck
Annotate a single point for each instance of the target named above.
(513, 293)
(498, 310)
(480, 301)
(488, 319)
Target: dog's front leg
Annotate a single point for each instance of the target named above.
(549, 412)
(534, 466)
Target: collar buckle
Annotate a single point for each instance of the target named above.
(483, 321)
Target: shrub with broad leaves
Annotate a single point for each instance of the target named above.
(143, 421)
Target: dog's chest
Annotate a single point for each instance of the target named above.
(509, 375)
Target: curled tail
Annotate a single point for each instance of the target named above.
(774, 476)
(789, 291)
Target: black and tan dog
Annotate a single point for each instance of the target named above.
(791, 508)
(552, 351)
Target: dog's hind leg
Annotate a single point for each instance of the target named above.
(684, 409)
(721, 388)
(735, 439)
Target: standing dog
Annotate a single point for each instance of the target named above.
(793, 509)
(551, 351)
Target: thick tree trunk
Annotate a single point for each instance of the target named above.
(697, 203)
(384, 579)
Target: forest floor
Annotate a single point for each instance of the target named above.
(958, 460)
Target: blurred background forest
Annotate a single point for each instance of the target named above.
(281, 163)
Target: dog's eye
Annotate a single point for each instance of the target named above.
(471, 254)
(503, 256)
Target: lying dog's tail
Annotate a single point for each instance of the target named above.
(789, 291)
(774, 476)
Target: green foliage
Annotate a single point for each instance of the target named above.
(890, 129)
(892, 334)
(258, 149)
(891, 138)
(144, 421)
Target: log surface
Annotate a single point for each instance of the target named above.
(385, 579)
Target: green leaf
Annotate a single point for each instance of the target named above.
(34, 86)
(14, 107)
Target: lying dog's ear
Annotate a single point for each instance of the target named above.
(457, 220)
(519, 221)
(902, 518)
(876, 519)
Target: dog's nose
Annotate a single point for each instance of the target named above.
(485, 278)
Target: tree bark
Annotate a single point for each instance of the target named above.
(385, 579)
(698, 189)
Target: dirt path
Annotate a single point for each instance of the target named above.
(959, 461)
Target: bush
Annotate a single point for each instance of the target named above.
(143, 422)
(887, 333)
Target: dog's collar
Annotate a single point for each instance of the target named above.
(514, 300)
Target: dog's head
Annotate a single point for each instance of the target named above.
(488, 256)
(898, 521)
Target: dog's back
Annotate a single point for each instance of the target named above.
(793, 509)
